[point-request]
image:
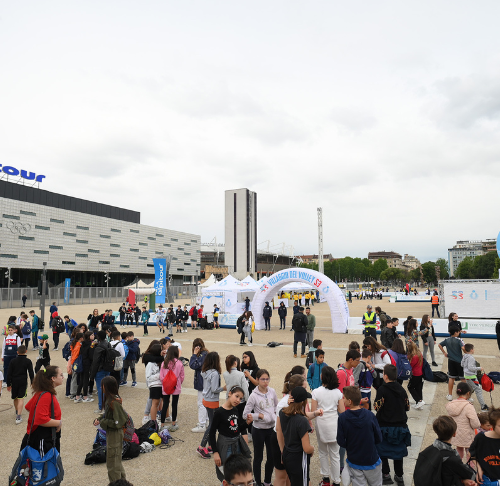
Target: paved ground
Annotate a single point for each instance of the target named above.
(180, 464)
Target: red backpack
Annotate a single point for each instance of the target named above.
(169, 382)
(487, 383)
(393, 361)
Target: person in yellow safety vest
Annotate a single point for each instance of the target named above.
(370, 322)
(307, 297)
(435, 304)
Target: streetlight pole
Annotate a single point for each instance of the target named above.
(44, 286)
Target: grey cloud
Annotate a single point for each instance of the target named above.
(352, 119)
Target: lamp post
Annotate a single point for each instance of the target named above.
(44, 286)
(107, 278)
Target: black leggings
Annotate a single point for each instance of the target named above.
(166, 403)
(295, 464)
(259, 438)
(415, 386)
(55, 336)
(84, 383)
(398, 467)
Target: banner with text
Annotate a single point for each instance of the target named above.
(160, 265)
(67, 285)
(478, 299)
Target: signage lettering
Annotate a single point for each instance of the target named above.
(12, 171)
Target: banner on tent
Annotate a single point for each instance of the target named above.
(228, 319)
(412, 298)
(160, 265)
(479, 299)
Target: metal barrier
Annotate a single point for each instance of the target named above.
(12, 298)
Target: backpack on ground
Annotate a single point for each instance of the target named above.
(97, 456)
(110, 357)
(26, 329)
(66, 351)
(495, 376)
(273, 344)
(440, 377)
(427, 371)
(169, 383)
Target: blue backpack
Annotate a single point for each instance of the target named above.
(66, 351)
(402, 364)
(31, 468)
(365, 379)
(125, 348)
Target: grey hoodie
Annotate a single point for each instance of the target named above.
(469, 365)
(211, 385)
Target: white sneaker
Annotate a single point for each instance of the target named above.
(419, 405)
(199, 428)
(18, 421)
(146, 419)
(250, 344)
(449, 398)
(87, 400)
(168, 419)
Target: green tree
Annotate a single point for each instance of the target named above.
(378, 267)
(445, 271)
(392, 275)
(465, 268)
(429, 269)
(484, 265)
(497, 267)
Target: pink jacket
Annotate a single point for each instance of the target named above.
(465, 416)
(178, 369)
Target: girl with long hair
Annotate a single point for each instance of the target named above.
(153, 380)
(41, 422)
(328, 397)
(75, 346)
(234, 377)
(86, 354)
(412, 334)
(173, 364)
(260, 411)
(210, 372)
(379, 353)
(232, 429)
(250, 368)
(416, 383)
(112, 421)
(199, 353)
(147, 357)
(429, 338)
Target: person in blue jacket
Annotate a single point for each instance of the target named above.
(267, 314)
(282, 312)
(314, 372)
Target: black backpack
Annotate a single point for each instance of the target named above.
(60, 327)
(239, 325)
(109, 358)
(440, 377)
(298, 324)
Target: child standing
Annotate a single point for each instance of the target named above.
(153, 380)
(468, 364)
(464, 414)
(314, 372)
(391, 404)
(132, 344)
(210, 372)
(199, 353)
(260, 411)
(112, 421)
(145, 320)
(9, 348)
(484, 420)
(453, 470)
(232, 429)
(25, 327)
(345, 371)
(358, 432)
(317, 344)
(364, 374)
(485, 451)
(328, 397)
(172, 364)
(454, 346)
(416, 383)
(17, 380)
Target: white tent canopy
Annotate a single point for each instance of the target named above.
(210, 281)
(228, 284)
(141, 285)
(249, 284)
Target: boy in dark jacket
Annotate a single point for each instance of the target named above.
(358, 432)
(391, 404)
(282, 312)
(131, 358)
(441, 459)
(97, 372)
(43, 353)
(17, 380)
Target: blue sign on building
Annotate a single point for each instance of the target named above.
(160, 265)
(12, 171)
(67, 285)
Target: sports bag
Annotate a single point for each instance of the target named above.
(26, 329)
(169, 383)
(60, 327)
(97, 456)
(495, 376)
(110, 356)
(440, 377)
(487, 383)
(118, 358)
(33, 469)
(427, 371)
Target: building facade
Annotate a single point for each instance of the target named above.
(468, 248)
(410, 262)
(241, 232)
(84, 240)
(394, 260)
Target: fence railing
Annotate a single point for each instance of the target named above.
(13, 298)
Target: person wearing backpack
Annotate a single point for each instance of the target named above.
(76, 376)
(317, 344)
(112, 422)
(364, 374)
(400, 360)
(58, 328)
(99, 363)
(26, 330)
(240, 323)
(172, 377)
(439, 464)
(193, 312)
(299, 326)
(416, 383)
(391, 404)
(117, 344)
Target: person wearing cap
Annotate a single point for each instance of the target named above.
(43, 353)
(370, 322)
(267, 313)
(292, 429)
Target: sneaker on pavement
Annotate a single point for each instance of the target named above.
(168, 419)
(78, 400)
(250, 344)
(123, 383)
(399, 480)
(18, 420)
(87, 400)
(145, 420)
(386, 479)
(209, 449)
(484, 408)
(203, 452)
(173, 428)
(72, 397)
(449, 398)
(434, 363)
(56, 349)
(303, 355)
(97, 411)
(134, 384)
(199, 428)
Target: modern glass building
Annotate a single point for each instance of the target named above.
(84, 240)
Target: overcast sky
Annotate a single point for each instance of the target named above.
(386, 114)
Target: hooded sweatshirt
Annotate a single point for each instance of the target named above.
(391, 404)
(469, 365)
(178, 369)
(262, 403)
(359, 432)
(211, 385)
(465, 416)
(153, 375)
(314, 374)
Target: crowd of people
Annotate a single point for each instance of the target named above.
(358, 409)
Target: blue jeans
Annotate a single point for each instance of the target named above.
(98, 378)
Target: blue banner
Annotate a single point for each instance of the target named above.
(67, 284)
(160, 265)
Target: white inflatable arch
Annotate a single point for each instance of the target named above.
(333, 295)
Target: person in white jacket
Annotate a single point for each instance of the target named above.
(153, 380)
(116, 343)
(260, 411)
